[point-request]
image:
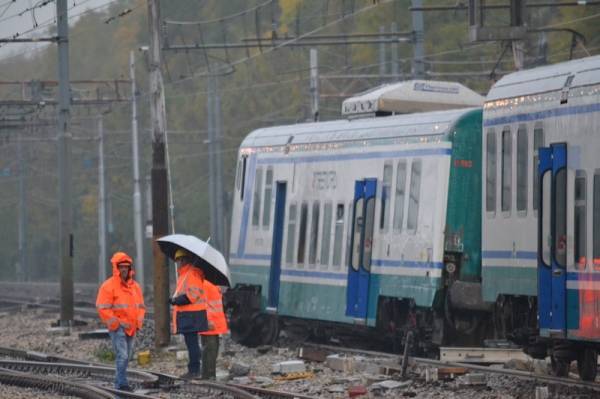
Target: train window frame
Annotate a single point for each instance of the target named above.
(414, 196)
(338, 237)
(596, 221)
(291, 233)
(325, 241)
(313, 247)
(546, 233)
(491, 168)
(399, 196)
(243, 166)
(538, 142)
(580, 204)
(256, 198)
(386, 189)
(560, 219)
(522, 170)
(301, 248)
(357, 233)
(347, 251)
(369, 232)
(506, 171)
(267, 200)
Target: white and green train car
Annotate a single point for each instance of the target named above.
(370, 222)
(541, 210)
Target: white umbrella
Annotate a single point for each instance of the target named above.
(212, 261)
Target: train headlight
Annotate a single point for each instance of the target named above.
(450, 267)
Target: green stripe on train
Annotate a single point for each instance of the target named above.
(328, 302)
(505, 280)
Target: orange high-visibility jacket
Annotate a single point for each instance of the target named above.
(191, 317)
(121, 303)
(214, 310)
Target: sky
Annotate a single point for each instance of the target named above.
(40, 12)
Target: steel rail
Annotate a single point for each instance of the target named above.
(136, 377)
(51, 384)
(439, 363)
(270, 393)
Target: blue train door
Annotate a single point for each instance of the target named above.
(278, 220)
(552, 239)
(359, 268)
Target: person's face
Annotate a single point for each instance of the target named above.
(182, 260)
(123, 271)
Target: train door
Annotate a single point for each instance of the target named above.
(278, 220)
(359, 270)
(552, 239)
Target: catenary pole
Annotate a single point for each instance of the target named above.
(314, 84)
(102, 257)
(418, 66)
(21, 268)
(137, 196)
(65, 230)
(160, 221)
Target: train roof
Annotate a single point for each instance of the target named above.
(412, 96)
(585, 71)
(409, 125)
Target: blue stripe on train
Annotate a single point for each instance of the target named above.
(354, 157)
(508, 255)
(535, 116)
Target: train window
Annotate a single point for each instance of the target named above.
(490, 187)
(357, 232)
(596, 220)
(242, 176)
(522, 152)
(314, 234)
(413, 199)
(238, 175)
(506, 170)
(368, 243)
(560, 217)
(326, 239)
(302, 234)
(337, 237)
(546, 212)
(399, 200)
(257, 191)
(348, 251)
(580, 227)
(538, 141)
(268, 193)
(291, 232)
(385, 196)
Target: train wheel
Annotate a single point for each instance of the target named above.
(268, 328)
(587, 364)
(560, 367)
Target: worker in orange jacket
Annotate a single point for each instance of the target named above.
(120, 304)
(217, 324)
(189, 308)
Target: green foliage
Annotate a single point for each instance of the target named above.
(104, 353)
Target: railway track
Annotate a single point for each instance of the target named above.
(55, 385)
(52, 367)
(397, 359)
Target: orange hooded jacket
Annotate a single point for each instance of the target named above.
(121, 303)
(191, 317)
(217, 323)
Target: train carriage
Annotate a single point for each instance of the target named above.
(541, 208)
(358, 222)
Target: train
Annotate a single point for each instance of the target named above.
(432, 210)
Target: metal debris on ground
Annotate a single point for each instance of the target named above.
(303, 375)
(313, 354)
